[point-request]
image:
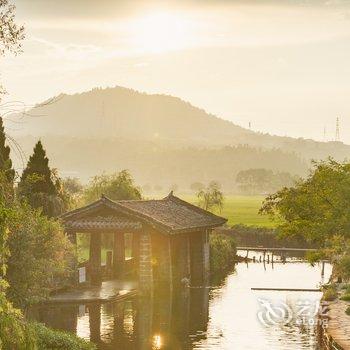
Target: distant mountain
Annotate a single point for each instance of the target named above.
(121, 112)
(160, 138)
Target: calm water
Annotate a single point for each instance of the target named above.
(223, 317)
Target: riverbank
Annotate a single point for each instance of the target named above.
(336, 334)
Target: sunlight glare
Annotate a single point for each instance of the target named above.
(160, 32)
(157, 342)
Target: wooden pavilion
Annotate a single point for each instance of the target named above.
(169, 238)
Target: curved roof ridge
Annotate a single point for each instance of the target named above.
(170, 213)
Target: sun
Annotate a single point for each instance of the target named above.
(160, 32)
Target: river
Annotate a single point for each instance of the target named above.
(227, 316)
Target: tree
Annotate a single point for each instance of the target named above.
(317, 209)
(72, 185)
(11, 34)
(14, 333)
(211, 197)
(40, 186)
(41, 259)
(5, 161)
(117, 186)
(254, 180)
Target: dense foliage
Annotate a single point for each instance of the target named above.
(317, 208)
(49, 339)
(14, 333)
(117, 186)
(41, 257)
(222, 253)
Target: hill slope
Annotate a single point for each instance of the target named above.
(121, 112)
(116, 128)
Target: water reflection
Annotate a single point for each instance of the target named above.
(224, 317)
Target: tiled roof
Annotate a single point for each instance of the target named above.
(170, 214)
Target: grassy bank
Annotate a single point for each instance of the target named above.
(240, 210)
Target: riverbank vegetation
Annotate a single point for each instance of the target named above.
(250, 236)
(317, 209)
(36, 258)
(34, 251)
(222, 254)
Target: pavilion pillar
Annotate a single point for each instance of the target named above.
(118, 254)
(136, 250)
(180, 245)
(163, 273)
(95, 259)
(200, 264)
(145, 264)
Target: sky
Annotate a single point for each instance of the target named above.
(281, 67)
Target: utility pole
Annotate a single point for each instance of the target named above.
(324, 134)
(337, 130)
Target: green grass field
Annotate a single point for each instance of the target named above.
(240, 210)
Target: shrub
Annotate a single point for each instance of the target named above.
(222, 252)
(343, 266)
(330, 293)
(49, 339)
(41, 257)
(347, 311)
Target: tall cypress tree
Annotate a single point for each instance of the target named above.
(36, 184)
(5, 160)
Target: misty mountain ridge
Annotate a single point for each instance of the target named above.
(122, 112)
(160, 138)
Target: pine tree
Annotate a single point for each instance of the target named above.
(37, 185)
(5, 160)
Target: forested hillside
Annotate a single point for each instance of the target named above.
(161, 139)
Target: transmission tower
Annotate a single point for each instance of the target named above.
(337, 130)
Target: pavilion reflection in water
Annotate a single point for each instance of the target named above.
(166, 321)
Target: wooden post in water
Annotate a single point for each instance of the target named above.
(323, 265)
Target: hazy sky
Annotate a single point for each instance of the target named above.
(284, 66)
